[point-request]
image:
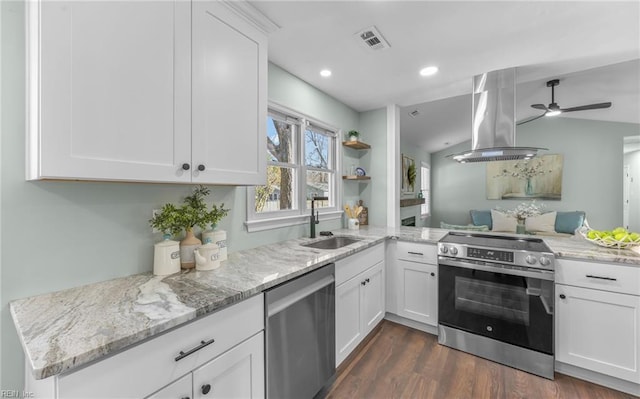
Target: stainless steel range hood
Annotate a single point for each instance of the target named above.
(494, 120)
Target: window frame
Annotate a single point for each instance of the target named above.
(299, 214)
(427, 196)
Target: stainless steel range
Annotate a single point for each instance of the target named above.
(495, 299)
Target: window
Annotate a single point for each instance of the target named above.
(302, 164)
(425, 189)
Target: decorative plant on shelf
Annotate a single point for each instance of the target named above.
(353, 135)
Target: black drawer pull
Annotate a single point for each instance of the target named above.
(183, 354)
(416, 253)
(602, 278)
(205, 389)
(562, 296)
(433, 274)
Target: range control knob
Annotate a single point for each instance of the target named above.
(453, 251)
(444, 249)
(544, 261)
(530, 259)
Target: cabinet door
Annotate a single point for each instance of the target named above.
(109, 90)
(418, 292)
(180, 389)
(372, 297)
(348, 318)
(229, 97)
(238, 373)
(598, 330)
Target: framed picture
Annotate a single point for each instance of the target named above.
(536, 178)
(408, 175)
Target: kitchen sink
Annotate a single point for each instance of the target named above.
(332, 243)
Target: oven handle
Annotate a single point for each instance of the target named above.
(539, 274)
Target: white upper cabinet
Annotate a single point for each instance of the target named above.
(145, 91)
(229, 97)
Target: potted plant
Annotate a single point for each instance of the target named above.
(193, 212)
(353, 135)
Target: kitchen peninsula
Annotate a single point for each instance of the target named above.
(66, 330)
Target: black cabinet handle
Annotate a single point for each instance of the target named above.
(562, 296)
(205, 389)
(201, 168)
(416, 253)
(184, 354)
(367, 280)
(602, 278)
(363, 283)
(433, 274)
(186, 166)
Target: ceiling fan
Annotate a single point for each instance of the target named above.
(554, 109)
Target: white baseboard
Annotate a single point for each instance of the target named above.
(433, 330)
(597, 378)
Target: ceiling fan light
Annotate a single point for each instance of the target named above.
(553, 112)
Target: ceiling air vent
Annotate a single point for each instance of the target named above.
(372, 39)
(414, 113)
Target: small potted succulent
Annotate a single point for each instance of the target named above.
(353, 135)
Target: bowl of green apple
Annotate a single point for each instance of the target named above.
(617, 238)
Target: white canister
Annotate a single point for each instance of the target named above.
(207, 257)
(353, 224)
(218, 237)
(166, 257)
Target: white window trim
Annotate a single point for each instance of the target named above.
(428, 199)
(273, 220)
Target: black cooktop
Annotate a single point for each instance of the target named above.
(496, 241)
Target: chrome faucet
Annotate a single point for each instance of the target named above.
(315, 218)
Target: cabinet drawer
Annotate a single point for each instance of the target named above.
(355, 264)
(417, 252)
(144, 368)
(602, 276)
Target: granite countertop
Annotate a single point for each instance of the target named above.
(66, 329)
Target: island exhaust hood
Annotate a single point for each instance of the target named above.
(494, 120)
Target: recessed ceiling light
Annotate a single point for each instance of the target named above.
(428, 71)
(325, 73)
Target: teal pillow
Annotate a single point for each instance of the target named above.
(470, 227)
(568, 222)
(481, 218)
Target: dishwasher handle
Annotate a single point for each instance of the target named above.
(282, 303)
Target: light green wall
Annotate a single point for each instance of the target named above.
(57, 235)
(591, 179)
(419, 156)
(373, 128)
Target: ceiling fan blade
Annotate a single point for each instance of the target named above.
(587, 107)
(526, 120)
(539, 106)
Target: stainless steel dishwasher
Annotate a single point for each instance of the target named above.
(300, 335)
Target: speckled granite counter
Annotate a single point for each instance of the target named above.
(66, 329)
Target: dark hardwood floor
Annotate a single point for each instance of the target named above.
(401, 362)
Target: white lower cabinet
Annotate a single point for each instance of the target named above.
(224, 349)
(180, 389)
(597, 319)
(360, 304)
(238, 373)
(418, 291)
(599, 331)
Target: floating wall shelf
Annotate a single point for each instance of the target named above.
(356, 177)
(356, 145)
(411, 202)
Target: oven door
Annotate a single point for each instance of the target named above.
(497, 303)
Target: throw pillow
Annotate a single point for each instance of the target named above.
(481, 218)
(568, 222)
(541, 223)
(503, 222)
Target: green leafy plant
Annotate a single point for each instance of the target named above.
(354, 133)
(193, 212)
(411, 174)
